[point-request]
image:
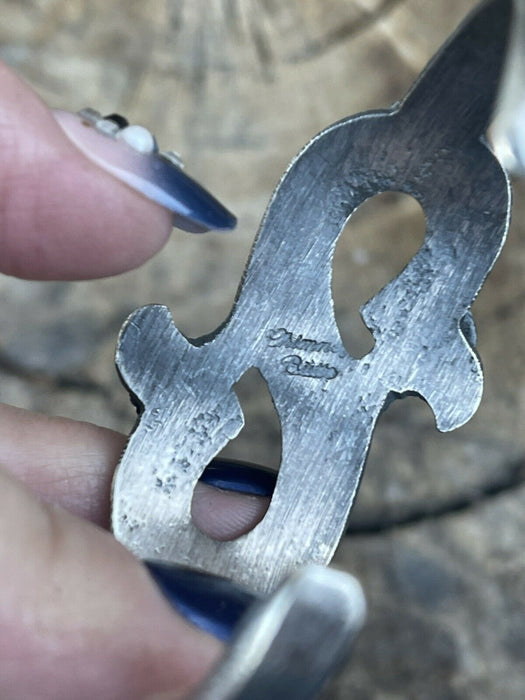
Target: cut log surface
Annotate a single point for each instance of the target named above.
(237, 87)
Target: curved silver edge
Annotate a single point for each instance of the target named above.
(289, 645)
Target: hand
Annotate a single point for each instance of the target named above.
(79, 616)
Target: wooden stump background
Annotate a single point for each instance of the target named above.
(238, 86)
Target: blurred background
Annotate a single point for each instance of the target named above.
(237, 87)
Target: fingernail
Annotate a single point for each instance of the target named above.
(213, 604)
(239, 477)
(130, 153)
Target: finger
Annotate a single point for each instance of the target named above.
(62, 216)
(224, 515)
(80, 617)
(231, 498)
(65, 462)
(72, 464)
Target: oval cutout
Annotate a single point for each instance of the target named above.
(378, 241)
(259, 442)
(223, 514)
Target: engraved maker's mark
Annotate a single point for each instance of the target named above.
(296, 366)
(283, 338)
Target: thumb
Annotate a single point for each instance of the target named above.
(80, 617)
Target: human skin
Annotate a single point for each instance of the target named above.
(79, 616)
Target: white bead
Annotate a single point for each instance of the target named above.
(139, 138)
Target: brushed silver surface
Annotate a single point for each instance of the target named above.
(431, 146)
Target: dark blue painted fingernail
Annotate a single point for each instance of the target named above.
(211, 603)
(198, 211)
(239, 477)
(130, 153)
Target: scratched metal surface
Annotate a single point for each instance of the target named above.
(437, 530)
(430, 146)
